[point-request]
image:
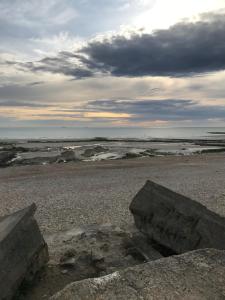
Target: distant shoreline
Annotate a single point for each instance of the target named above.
(105, 139)
(217, 132)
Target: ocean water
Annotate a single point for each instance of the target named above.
(86, 133)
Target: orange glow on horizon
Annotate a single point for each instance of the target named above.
(106, 115)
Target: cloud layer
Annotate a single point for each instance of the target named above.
(185, 49)
(56, 56)
(116, 111)
(152, 110)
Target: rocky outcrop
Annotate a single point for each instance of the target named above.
(176, 222)
(6, 157)
(35, 161)
(195, 275)
(93, 151)
(8, 153)
(129, 155)
(68, 155)
(23, 251)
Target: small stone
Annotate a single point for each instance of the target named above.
(68, 155)
(70, 262)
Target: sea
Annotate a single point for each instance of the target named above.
(112, 132)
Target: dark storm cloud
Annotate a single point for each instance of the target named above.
(185, 49)
(182, 50)
(166, 110)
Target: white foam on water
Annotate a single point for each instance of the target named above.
(105, 156)
(18, 157)
(71, 147)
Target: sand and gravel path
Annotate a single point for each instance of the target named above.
(72, 194)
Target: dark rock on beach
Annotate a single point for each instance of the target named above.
(129, 155)
(35, 161)
(13, 148)
(213, 150)
(176, 222)
(23, 251)
(148, 152)
(68, 155)
(6, 157)
(9, 154)
(93, 151)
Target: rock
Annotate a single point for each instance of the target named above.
(16, 149)
(138, 246)
(92, 151)
(195, 275)
(68, 155)
(69, 262)
(176, 222)
(214, 150)
(129, 155)
(149, 152)
(23, 251)
(8, 153)
(35, 161)
(6, 157)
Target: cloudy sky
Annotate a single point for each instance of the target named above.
(112, 63)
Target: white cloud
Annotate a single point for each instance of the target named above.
(165, 13)
(51, 45)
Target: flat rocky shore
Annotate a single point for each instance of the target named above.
(79, 193)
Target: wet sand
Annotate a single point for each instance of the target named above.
(69, 195)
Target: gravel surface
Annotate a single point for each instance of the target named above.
(74, 194)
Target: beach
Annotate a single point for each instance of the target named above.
(78, 193)
(112, 150)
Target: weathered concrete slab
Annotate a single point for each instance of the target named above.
(23, 250)
(175, 221)
(195, 275)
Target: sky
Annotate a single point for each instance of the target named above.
(112, 63)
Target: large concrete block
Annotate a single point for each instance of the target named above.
(195, 275)
(175, 221)
(23, 251)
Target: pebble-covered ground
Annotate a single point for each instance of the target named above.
(77, 193)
